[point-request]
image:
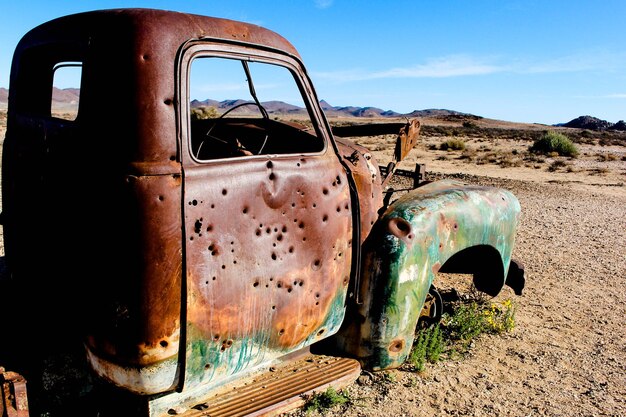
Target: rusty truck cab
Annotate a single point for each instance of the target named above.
(183, 250)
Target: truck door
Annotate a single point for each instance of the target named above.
(267, 213)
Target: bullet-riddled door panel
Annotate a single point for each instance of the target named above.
(268, 237)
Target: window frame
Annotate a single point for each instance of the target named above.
(251, 53)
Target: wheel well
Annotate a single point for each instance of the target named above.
(483, 262)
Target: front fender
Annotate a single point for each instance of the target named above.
(415, 236)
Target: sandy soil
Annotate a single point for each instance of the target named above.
(567, 353)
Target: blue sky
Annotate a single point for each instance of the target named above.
(545, 61)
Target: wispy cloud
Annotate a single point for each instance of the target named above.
(466, 65)
(617, 95)
(323, 4)
(448, 66)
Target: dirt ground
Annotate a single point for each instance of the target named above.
(567, 353)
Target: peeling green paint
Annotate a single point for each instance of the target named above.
(416, 236)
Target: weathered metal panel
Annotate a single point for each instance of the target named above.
(135, 340)
(366, 175)
(408, 246)
(268, 252)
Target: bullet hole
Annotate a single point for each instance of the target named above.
(193, 202)
(168, 101)
(161, 198)
(281, 332)
(371, 222)
(300, 283)
(274, 245)
(289, 289)
(214, 278)
(314, 205)
(317, 264)
(223, 266)
(234, 262)
(232, 242)
(163, 343)
(268, 230)
(340, 254)
(232, 251)
(224, 191)
(279, 238)
(211, 247)
(256, 284)
(279, 284)
(269, 164)
(272, 176)
(261, 226)
(298, 164)
(271, 278)
(338, 179)
(334, 183)
(229, 343)
(338, 209)
(207, 366)
(301, 225)
(273, 307)
(317, 303)
(325, 191)
(410, 236)
(345, 281)
(245, 210)
(216, 337)
(274, 257)
(212, 206)
(456, 226)
(325, 218)
(347, 207)
(209, 228)
(317, 295)
(291, 249)
(206, 282)
(321, 332)
(304, 239)
(396, 345)
(350, 243)
(258, 232)
(293, 204)
(191, 238)
(284, 229)
(172, 157)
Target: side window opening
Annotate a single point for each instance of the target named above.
(66, 90)
(244, 108)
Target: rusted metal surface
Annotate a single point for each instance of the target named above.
(364, 169)
(14, 401)
(268, 255)
(269, 392)
(409, 245)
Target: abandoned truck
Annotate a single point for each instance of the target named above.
(167, 254)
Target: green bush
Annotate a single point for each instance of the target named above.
(204, 112)
(554, 142)
(428, 346)
(452, 145)
(326, 400)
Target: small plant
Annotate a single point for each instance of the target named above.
(452, 145)
(326, 400)
(554, 142)
(428, 346)
(500, 317)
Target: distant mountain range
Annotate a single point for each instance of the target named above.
(69, 97)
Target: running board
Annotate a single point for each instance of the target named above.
(278, 390)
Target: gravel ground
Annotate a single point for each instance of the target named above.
(567, 353)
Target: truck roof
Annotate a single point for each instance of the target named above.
(156, 29)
